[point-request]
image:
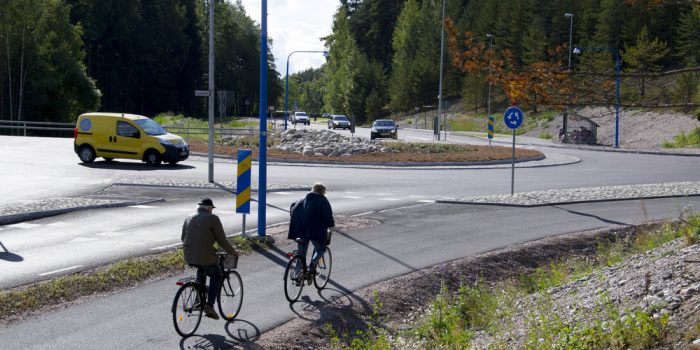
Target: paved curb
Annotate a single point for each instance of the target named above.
(529, 162)
(585, 195)
(40, 214)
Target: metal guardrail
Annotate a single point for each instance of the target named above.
(180, 130)
(30, 125)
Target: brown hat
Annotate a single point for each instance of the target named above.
(207, 202)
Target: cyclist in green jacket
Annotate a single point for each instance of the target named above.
(199, 233)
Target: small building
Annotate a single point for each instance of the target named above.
(578, 129)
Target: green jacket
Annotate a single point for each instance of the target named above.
(199, 232)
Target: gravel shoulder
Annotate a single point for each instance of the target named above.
(668, 276)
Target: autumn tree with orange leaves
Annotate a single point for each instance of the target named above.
(537, 84)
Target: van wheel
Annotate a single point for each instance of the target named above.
(152, 158)
(86, 154)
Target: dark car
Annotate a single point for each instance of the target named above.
(339, 121)
(384, 128)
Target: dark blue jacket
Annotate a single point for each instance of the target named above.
(311, 217)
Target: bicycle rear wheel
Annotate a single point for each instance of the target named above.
(230, 296)
(294, 278)
(187, 310)
(323, 269)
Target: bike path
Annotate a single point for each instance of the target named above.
(409, 239)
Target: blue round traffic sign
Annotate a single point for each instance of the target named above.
(513, 117)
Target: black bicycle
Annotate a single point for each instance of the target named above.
(297, 273)
(191, 296)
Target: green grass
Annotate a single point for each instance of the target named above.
(454, 318)
(122, 274)
(427, 147)
(692, 139)
(179, 124)
(545, 135)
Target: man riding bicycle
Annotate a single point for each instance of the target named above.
(311, 217)
(199, 233)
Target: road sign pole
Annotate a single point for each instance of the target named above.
(512, 168)
(513, 118)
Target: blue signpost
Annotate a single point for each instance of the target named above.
(513, 117)
(490, 129)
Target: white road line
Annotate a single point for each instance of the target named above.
(142, 206)
(416, 196)
(408, 206)
(282, 193)
(426, 201)
(418, 138)
(112, 234)
(352, 197)
(166, 246)
(82, 239)
(59, 224)
(60, 270)
(389, 199)
(365, 213)
(24, 225)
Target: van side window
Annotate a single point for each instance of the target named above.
(127, 130)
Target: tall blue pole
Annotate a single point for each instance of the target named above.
(262, 161)
(286, 93)
(617, 107)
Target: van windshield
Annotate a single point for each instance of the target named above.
(150, 127)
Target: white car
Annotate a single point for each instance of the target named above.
(300, 117)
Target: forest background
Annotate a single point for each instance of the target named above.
(59, 58)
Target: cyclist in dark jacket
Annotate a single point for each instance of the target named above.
(311, 217)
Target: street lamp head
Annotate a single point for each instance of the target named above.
(569, 14)
(326, 54)
(577, 50)
(489, 35)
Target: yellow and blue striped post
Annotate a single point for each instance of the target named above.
(490, 129)
(245, 159)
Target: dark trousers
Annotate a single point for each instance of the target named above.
(215, 278)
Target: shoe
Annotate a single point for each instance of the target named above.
(209, 312)
(312, 270)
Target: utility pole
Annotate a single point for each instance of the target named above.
(211, 90)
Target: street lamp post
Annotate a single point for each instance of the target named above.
(617, 85)
(571, 30)
(286, 82)
(488, 113)
(442, 50)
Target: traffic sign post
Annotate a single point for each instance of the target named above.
(245, 160)
(513, 117)
(490, 129)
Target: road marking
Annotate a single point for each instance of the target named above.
(82, 239)
(142, 206)
(112, 234)
(389, 199)
(416, 196)
(352, 197)
(283, 193)
(365, 213)
(166, 246)
(426, 201)
(382, 194)
(60, 270)
(58, 224)
(418, 138)
(24, 225)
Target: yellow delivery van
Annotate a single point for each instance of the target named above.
(128, 136)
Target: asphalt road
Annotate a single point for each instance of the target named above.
(415, 234)
(409, 239)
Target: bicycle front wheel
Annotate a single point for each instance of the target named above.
(293, 279)
(323, 269)
(230, 296)
(187, 310)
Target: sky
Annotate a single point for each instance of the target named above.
(295, 25)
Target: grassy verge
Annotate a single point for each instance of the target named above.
(479, 122)
(123, 274)
(179, 123)
(456, 319)
(692, 139)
